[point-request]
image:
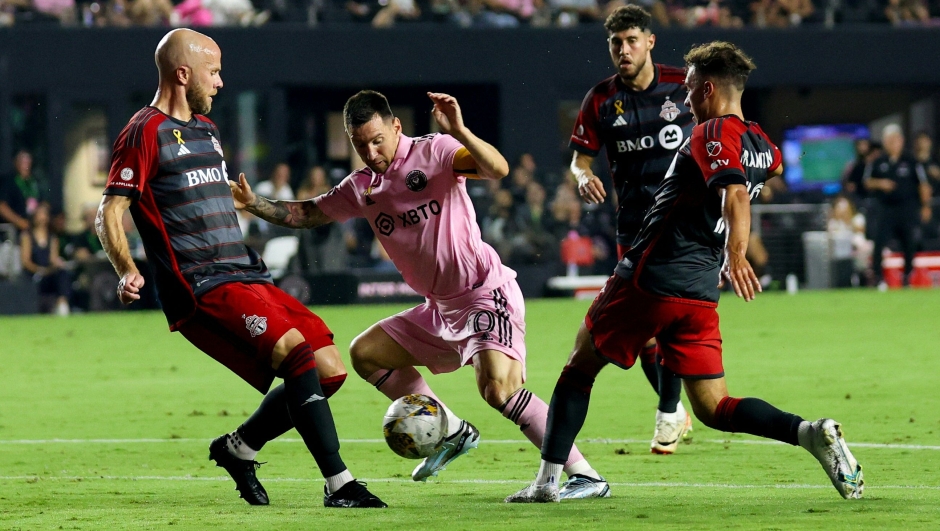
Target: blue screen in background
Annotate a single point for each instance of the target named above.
(816, 156)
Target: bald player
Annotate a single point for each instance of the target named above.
(168, 168)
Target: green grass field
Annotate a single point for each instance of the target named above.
(105, 422)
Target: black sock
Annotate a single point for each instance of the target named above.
(566, 414)
(670, 386)
(649, 362)
(309, 409)
(754, 416)
(268, 422)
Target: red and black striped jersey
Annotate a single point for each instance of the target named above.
(678, 252)
(176, 174)
(642, 131)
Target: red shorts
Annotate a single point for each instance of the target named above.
(238, 325)
(623, 318)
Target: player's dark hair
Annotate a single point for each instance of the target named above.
(627, 17)
(721, 60)
(362, 107)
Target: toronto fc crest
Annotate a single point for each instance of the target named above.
(670, 111)
(256, 325)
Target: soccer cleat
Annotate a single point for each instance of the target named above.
(352, 495)
(580, 486)
(241, 470)
(824, 440)
(547, 493)
(466, 439)
(668, 433)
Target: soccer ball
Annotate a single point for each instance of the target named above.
(415, 426)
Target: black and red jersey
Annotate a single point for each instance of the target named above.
(678, 252)
(176, 175)
(642, 131)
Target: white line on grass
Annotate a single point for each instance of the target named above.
(664, 484)
(889, 446)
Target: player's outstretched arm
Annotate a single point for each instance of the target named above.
(590, 186)
(291, 214)
(110, 229)
(736, 209)
(490, 163)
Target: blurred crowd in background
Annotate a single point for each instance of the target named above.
(532, 218)
(465, 13)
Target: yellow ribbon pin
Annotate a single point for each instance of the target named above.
(179, 136)
(618, 105)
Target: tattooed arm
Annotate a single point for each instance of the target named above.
(292, 214)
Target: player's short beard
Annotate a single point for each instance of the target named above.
(639, 68)
(198, 99)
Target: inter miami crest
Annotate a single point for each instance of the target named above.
(256, 325)
(416, 180)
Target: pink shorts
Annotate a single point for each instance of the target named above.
(444, 335)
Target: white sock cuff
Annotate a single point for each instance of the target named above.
(237, 447)
(334, 483)
(453, 421)
(548, 473)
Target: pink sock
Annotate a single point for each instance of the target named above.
(397, 383)
(530, 413)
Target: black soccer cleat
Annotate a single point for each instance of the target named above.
(352, 495)
(241, 470)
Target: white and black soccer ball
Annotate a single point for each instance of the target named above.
(415, 426)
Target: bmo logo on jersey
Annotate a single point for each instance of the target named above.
(207, 175)
(386, 224)
(669, 137)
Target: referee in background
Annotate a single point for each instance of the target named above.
(899, 186)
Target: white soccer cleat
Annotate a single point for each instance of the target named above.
(824, 440)
(669, 432)
(460, 443)
(547, 493)
(579, 487)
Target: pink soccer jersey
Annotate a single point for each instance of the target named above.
(422, 215)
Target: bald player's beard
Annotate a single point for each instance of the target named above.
(198, 100)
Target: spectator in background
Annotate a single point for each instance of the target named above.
(854, 171)
(316, 183)
(276, 187)
(504, 13)
(85, 245)
(572, 12)
(64, 10)
(395, 10)
(534, 241)
(497, 229)
(848, 224)
(19, 193)
(322, 249)
(796, 11)
(899, 185)
(923, 153)
(153, 13)
(522, 175)
(39, 253)
(907, 12)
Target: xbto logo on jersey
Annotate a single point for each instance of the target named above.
(416, 180)
(414, 216)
